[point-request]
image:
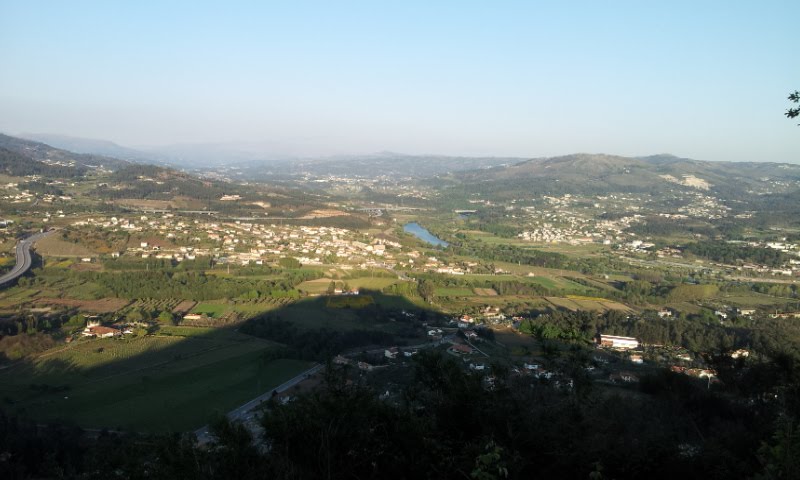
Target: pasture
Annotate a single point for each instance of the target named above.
(173, 382)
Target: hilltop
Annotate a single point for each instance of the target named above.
(91, 146)
(601, 174)
(30, 150)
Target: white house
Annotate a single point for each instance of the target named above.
(391, 352)
(617, 342)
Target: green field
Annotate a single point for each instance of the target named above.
(583, 249)
(551, 282)
(16, 295)
(753, 299)
(152, 384)
(214, 310)
(349, 301)
(206, 332)
(313, 313)
(320, 286)
(378, 283)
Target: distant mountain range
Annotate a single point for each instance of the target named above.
(48, 155)
(182, 155)
(396, 165)
(500, 176)
(91, 146)
(249, 161)
(592, 173)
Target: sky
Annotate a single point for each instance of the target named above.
(705, 80)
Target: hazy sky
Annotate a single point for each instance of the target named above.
(701, 79)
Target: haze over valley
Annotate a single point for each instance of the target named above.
(399, 240)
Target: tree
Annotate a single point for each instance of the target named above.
(426, 289)
(167, 317)
(794, 112)
(135, 315)
(781, 457)
(289, 262)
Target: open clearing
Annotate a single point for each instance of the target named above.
(320, 285)
(454, 292)
(575, 303)
(485, 292)
(173, 382)
(753, 300)
(103, 305)
(53, 246)
(144, 203)
(214, 310)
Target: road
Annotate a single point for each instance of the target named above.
(244, 412)
(24, 260)
(204, 435)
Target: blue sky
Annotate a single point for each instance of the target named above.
(706, 80)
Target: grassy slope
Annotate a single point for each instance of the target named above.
(152, 384)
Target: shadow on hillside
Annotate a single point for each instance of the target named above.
(178, 378)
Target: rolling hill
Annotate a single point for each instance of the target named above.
(601, 174)
(32, 151)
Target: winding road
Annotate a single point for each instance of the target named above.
(24, 259)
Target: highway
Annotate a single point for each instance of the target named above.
(24, 260)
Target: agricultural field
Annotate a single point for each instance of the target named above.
(53, 246)
(62, 263)
(16, 296)
(144, 203)
(7, 262)
(517, 343)
(454, 292)
(103, 305)
(753, 300)
(315, 287)
(547, 280)
(576, 302)
(368, 283)
(320, 285)
(583, 249)
(349, 301)
(184, 307)
(157, 305)
(213, 310)
(314, 313)
(457, 306)
(175, 381)
(566, 303)
(485, 292)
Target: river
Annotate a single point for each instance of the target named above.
(423, 234)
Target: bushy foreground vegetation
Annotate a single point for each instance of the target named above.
(447, 424)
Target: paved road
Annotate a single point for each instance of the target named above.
(204, 435)
(24, 260)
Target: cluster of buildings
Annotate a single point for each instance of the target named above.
(560, 221)
(705, 207)
(243, 242)
(16, 195)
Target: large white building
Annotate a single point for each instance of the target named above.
(618, 343)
